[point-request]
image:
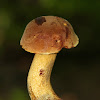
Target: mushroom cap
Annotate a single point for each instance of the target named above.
(48, 34)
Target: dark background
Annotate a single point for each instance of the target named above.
(76, 73)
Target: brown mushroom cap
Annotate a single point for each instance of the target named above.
(48, 34)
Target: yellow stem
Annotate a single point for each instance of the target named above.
(39, 86)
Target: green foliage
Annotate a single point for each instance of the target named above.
(18, 94)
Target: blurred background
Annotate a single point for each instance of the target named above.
(76, 73)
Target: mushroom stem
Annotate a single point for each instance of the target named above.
(39, 86)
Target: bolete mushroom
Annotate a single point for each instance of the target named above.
(45, 36)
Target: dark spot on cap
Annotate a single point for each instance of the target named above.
(72, 44)
(41, 72)
(67, 31)
(68, 24)
(53, 23)
(40, 20)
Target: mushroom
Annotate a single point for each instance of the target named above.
(45, 36)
